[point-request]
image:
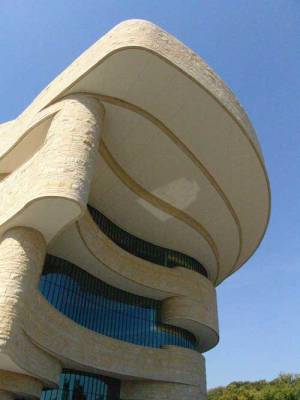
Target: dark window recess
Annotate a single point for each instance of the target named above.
(142, 249)
(107, 310)
(75, 385)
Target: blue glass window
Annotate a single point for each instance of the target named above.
(107, 310)
(75, 385)
(142, 249)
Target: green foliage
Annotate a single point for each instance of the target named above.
(285, 387)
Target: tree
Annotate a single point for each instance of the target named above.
(285, 387)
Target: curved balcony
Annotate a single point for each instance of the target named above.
(108, 310)
(80, 385)
(142, 249)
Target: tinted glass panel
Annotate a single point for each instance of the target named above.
(107, 310)
(141, 248)
(75, 385)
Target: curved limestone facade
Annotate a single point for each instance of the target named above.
(130, 188)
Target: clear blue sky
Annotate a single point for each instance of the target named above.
(254, 45)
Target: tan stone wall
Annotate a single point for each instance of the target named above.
(22, 253)
(89, 351)
(20, 385)
(61, 171)
(6, 396)
(162, 282)
(196, 316)
(145, 390)
(73, 139)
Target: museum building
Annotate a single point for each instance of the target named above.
(130, 188)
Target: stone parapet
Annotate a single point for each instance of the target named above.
(196, 316)
(51, 331)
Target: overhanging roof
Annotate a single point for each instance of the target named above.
(179, 163)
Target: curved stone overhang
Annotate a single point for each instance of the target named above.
(102, 354)
(176, 146)
(188, 298)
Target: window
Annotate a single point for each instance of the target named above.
(75, 385)
(141, 248)
(107, 310)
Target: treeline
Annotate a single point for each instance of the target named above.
(285, 387)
